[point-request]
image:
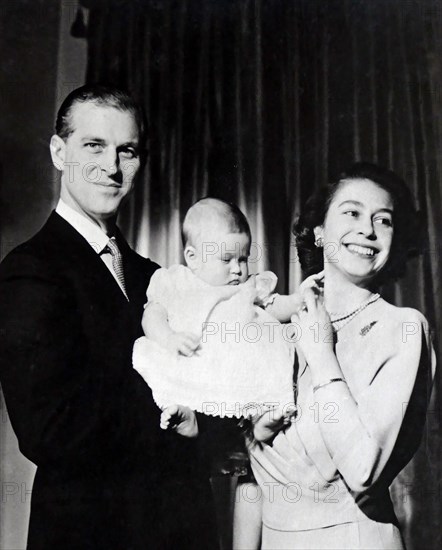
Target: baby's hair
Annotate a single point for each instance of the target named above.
(210, 212)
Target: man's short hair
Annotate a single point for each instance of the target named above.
(210, 212)
(100, 95)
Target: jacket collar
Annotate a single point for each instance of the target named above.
(79, 251)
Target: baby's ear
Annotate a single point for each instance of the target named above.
(190, 256)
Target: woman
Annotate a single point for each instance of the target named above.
(364, 374)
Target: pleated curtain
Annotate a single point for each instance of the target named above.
(261, 101)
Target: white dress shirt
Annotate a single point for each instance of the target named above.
(94, 235)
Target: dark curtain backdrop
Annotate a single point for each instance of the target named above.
(261, 101)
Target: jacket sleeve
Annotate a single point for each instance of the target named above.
(218, 438)
(61, 409)
(378, 435)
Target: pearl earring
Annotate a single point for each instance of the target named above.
(319, 242)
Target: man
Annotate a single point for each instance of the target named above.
(71, 304)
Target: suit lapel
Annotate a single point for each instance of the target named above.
(82, 258)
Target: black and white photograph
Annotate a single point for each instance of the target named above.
(220, 274)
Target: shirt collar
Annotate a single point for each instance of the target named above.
(94, 235)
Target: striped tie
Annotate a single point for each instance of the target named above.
(117, 262)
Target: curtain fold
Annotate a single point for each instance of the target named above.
(261, 101)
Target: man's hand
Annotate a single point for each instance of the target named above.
(270, 423)
(181, 419)
(184, 343)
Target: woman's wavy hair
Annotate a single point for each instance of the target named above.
(407, 223)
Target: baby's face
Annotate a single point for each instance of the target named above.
(222, 259)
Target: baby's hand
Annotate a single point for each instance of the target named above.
(184, 343)
(180, 419)
(270, 423)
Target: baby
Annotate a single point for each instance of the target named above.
(214, 341)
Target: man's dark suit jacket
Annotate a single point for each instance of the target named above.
(80, 412)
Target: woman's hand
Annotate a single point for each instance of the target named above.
(269, 424)
(316, 339)
(316, 282)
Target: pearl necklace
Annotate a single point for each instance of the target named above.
(342, 320)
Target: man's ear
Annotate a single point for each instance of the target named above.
(58, 150)
(190, 256)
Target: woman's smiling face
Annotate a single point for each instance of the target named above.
(358, 230)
